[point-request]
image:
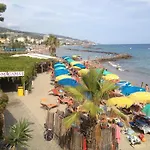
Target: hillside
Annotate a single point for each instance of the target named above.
(32, 34)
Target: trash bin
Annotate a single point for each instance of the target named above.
(20, 91)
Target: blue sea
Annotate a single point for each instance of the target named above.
(135, 70)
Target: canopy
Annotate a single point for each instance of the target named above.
(141, 97)
(68, 82)
(83, 72)
(74, 63)
(120, 102)
(56, 65)
(111, 77)
(64, 57)
(59, 68)
(75, 67)
(104, 72)
(70, 60)
(123, 83)
(127, 90)
(146, 110)
(61, 72)
(75, 56)
(80, 66)
(62, 77)
(67, 57)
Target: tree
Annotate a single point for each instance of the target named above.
(89, 94)
(53, 43)
(2, 9)
(16, 44)
(19, 134)
(3, 103)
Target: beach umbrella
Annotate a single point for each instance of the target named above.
(59, 65)
(64, 57)
(62, 77)
(75, 67)
(59, 68)
(70, 60)
(61, 72)
(67, 57)
(74, 63)
(83, 72)
(120, 102)
(111, 77)
(123, 83)
(104, 72)
(127, 90)
(141, 97)
(80, 66)
(146, 110)
(68, 82)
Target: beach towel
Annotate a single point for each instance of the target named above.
(117, 133)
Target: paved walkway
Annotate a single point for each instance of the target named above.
(29, 107)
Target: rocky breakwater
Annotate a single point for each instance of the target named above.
(115, 57)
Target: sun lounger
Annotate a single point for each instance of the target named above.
(56, 92)
(48, 106)
(65, 101)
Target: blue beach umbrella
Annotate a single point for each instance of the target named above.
(80, 66)
(59, 65)
(68, 82)
(61, 72)
(104, 72)
(146, 110)
(59, 68)
(70, 60)
(123, 83)
(67, 58)
(127, 90)
(64, 67)
(64, 57)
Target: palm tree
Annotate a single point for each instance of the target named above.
(89, 94)
(53, 43)
(19, 134)
(3, 103)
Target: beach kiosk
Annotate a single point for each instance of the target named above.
(11, 75)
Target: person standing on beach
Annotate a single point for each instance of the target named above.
(146, 87)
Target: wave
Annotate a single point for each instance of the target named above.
(117, 66)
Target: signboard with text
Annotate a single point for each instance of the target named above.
(12, 74)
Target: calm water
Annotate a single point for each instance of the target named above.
(136, 69)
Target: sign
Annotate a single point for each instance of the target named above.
(12, 74)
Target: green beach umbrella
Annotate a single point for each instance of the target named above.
(146, 110)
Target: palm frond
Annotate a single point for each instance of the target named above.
(91, 108)
(70, 120)
(75, 93)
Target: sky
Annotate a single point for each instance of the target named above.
(102, 21)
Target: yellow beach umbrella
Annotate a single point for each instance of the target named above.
(140, 97)
(74, 63)
(111, 77)
(83, 72)
(120, 102)
(62, 77)
(76, 67)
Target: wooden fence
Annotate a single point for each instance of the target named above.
(72, 139)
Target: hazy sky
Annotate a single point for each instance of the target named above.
(103, 21)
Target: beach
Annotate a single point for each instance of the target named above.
(29, 107)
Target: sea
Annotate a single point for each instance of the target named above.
(135, 70)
